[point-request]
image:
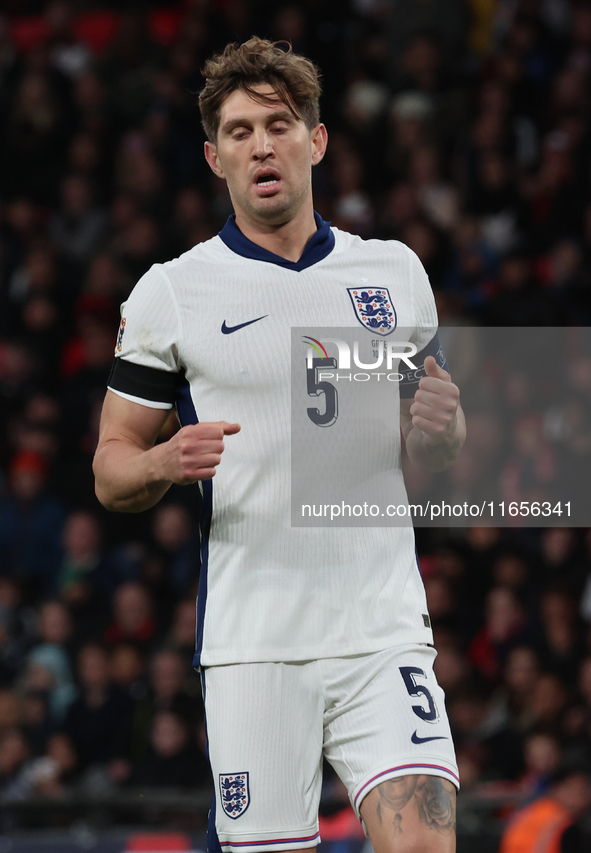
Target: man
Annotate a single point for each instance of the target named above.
(548, 825)
(310, 642)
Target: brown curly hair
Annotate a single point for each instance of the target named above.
(294, 78)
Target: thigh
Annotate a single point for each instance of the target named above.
(386, 719)
(411, 814)
(264, 729)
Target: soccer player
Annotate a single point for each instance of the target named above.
(310, 642)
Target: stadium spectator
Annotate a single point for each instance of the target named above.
(504, 628)
(542, 755)
(489, 749)
(521, 673)
(447, 22)
(36, 721)
(9, 710)
(14, 752)
(35, 134)
(128, 670)
(48, 667)
(82, 567)
(168, 691)
(172, 761)
(181, 637)
(70, 56)
(541, 825)
(31, 521)
(461, 128)
(561, 560)
(128, 69)
(51, 773)
(451, 668)
(519, 300)
(77, 228)
(548, 702)
(99, 720)
(189, 224)
(562, 645)
(177, 545)
(133, 616)
(16, 631)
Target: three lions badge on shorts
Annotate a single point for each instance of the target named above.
(234, 793)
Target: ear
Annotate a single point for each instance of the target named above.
(211, 155)
(319, 139)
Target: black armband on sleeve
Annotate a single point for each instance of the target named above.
(410, 378)
(147, 383)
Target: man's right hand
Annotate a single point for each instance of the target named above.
(133, 472)
(194, 452)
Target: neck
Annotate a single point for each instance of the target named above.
(288, 239)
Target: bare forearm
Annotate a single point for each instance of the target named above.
(132, 472)
(435, 455)
(127, 478)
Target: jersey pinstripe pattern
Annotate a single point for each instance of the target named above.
(269, 591)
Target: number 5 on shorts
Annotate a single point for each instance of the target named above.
(409, 674)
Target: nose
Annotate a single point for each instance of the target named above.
(263, 145)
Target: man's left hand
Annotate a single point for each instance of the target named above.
(435, 407)
(433, 424)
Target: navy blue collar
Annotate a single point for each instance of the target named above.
(317, 248)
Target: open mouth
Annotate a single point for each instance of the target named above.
(267, 179)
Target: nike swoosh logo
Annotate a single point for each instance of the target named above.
(416, 739)
(227, 330)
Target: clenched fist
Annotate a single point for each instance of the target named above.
(433, 422)
(436, 402)
(195, 452)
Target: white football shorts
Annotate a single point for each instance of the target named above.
(374, 716)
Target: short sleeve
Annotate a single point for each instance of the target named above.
(425, 311)
(424, 334)
(146, 367)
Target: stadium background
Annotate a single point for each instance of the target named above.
(460, 127)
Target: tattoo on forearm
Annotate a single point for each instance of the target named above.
(435, 799)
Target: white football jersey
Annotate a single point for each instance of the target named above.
(210, 333)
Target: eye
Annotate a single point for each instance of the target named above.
(278, 128)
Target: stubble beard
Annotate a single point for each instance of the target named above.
(275, 210)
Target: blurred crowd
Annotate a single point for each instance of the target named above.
(460, 127)
(526, 394)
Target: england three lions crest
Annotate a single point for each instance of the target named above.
(373, 308)
(234, 793)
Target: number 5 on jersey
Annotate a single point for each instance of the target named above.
(315, 388)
